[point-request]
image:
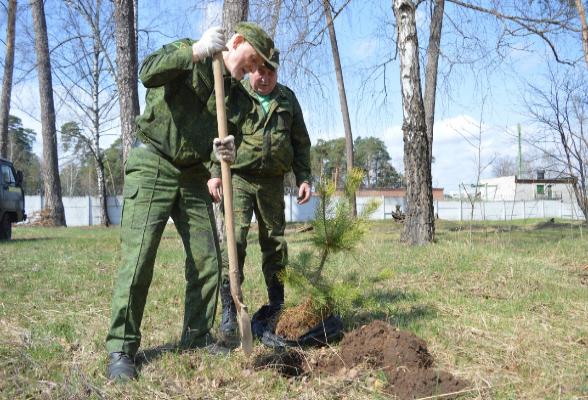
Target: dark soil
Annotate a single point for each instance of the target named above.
(403, 358)
(287, 363)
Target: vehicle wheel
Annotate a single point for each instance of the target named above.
(5, 228)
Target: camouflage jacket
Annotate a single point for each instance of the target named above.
(272, 144)
(177, 120)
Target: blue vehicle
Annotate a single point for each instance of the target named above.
(12, 200)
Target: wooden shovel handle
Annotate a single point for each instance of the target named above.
(221, 117)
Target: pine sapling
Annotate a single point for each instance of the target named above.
(335, 229)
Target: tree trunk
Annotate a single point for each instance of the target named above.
(431, 70)
(7, 81)
(127, 71)
(582, 15)
(419, 225)
(101, 184)
(234, 11)
(52, 184)
(342, 96)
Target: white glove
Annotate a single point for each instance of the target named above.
(212, 41)
(224, 149)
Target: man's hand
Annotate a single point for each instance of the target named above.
(303, 193)
(215, 188)
(224, 149)
(212, 41)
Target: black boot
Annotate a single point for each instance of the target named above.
(121, 366)
(275, 293)
(229, 329)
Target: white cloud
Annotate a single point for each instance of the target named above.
(364, 48)
(455, 159)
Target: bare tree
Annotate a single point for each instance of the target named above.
(419, 225)
(7, 81)
(342, 96)
(474, 137)
(127, 70)
(86, 73)
(562, 113)
(521, 19)
(52, 184)
(504, 166)
(234, 11)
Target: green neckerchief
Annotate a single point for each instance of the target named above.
(264, 101)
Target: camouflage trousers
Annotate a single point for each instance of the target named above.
(154, 190)
(265, 198)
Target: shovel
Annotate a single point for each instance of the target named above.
(242, 317)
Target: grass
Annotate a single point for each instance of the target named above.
(502, 305)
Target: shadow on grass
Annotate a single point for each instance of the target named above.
(385, 299)
(508, 226)
(485, 228)
(387, 296)
(552, 224)
(147, 356)
(36, 239)
(418, 312)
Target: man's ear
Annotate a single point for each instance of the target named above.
(237, 40)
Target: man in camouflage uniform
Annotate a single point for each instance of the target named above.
(165, 176)
(274, 141)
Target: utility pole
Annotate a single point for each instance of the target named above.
(520, 158)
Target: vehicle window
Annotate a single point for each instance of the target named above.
(8, 176)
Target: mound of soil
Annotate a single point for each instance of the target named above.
(403, 357)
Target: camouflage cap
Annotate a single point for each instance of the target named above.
(274, 60)
(261, 42)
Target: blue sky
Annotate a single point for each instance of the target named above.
(364, 35)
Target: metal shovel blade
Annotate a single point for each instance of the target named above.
(245, 329)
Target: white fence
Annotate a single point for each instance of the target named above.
(84, 211)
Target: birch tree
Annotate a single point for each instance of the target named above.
(419, 225)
